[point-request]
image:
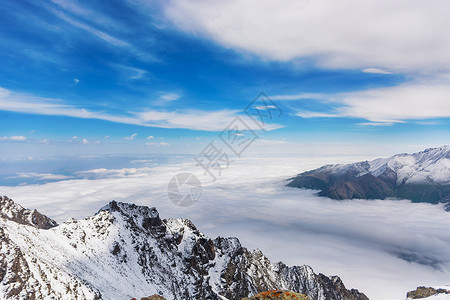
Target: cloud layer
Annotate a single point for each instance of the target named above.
(367, 243)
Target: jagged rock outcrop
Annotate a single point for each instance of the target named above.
(425, 292)
(14, 212)
(126, 248)
(278, 295)
(420, 177)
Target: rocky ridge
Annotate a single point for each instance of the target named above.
(420, 177)
(126, 248)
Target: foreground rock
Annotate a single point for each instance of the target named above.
(278, 295)
(425, 292)
(126, 248)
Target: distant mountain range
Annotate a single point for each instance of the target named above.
(126, 251)
(419, 177)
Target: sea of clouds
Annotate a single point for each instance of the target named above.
(384, 248)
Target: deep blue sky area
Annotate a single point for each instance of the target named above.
(168, 76)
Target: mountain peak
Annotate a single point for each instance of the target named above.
(126, 248)
(15, 212)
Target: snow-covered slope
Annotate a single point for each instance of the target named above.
(421, 177)
(127, 251)
(428, 166)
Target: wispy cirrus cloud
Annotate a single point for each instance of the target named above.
(166, 98)
(376, 71)
(192, 119)
(420, 100)
(131, 137)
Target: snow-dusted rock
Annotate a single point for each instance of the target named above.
(127, 251)
(420, 177)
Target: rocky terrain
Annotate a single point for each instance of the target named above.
(424, 292)
(126, 248)
(278, 295)
(420, 177)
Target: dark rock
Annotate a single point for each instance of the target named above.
(16, 213)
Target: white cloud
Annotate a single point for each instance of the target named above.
(418, 100)
(405, 34)
(76, 81)
(187, 119)
(170, 97)
(150, 137)
(132, 73)
(376, 124)
(42, 176)
(166, 98)
(100, 34)
(13, 138)
(131, 137)
(85, 141)
(376, 71)
(197, 119)
(157, 144)
(311, 114)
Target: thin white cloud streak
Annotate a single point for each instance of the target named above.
(186, 119)
(100, 34)
(157, 144)
(13, 138)
(376, 71)
(170, 96)
(131, 137)
(166, 98)
(398, 35)
(389, 105)
(357, 240)
(42, 176)
(131, 73)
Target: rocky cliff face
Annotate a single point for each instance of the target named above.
(126, 248)
(420, 177)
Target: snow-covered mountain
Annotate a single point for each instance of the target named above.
(127, 251)
(421, 177)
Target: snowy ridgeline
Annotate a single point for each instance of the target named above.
(420, 177)
(430, 165)
(127, 251)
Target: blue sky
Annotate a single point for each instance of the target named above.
(134, 76)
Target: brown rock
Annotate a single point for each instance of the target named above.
(278, 295)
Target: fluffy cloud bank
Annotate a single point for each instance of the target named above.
(403, 34)
(383, 248)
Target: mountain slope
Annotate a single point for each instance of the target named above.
(126, 249)
(420, 177)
